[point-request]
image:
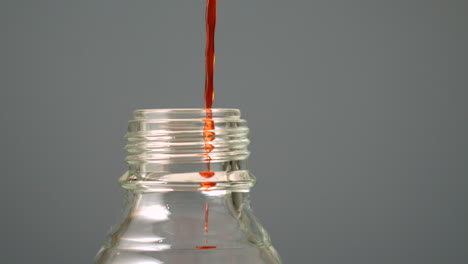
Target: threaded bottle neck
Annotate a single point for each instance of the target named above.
(180, 136)
(174, 143)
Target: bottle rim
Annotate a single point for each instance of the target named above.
(182, 113)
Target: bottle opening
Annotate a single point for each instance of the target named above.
(186, 113)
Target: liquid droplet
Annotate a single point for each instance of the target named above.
(207, 184)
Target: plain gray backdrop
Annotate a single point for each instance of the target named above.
(357, 109)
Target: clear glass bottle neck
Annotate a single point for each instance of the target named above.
(169, 149)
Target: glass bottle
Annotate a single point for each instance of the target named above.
(187, 192)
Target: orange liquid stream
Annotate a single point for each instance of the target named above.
(210, 51)
(208, 134)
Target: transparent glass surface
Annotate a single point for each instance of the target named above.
(173, 214)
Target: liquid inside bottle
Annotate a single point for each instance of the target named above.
(180, 206)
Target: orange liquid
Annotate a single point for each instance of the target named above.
(207, 184)
(207, 212)
(208, 134)
(210, 51)
(205, 247)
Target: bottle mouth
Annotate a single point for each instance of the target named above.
(186, 113)
(186, 135)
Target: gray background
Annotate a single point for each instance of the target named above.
(358, 111)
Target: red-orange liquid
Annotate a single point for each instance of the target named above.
(210, 51)
(207, 213)
(208, 134)
(205, 247)
(207, 184)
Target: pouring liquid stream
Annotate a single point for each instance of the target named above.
(208, 134)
